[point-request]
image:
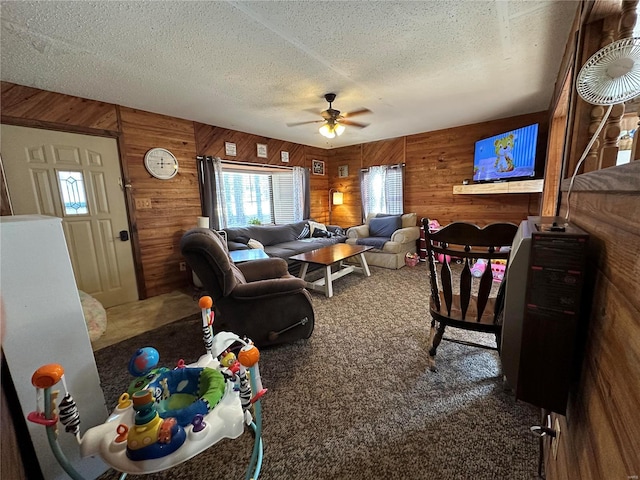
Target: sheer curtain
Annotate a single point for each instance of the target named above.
(381, 189)
(301, 203)
(211, 191)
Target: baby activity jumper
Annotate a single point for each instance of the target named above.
(166, 416)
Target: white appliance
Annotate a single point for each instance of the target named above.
(44, 324)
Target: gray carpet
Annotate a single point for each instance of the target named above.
(357, 400)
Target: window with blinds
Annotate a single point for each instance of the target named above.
(382, 189)
(257, 196)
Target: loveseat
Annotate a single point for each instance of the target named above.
(284, 241)
(392, 236)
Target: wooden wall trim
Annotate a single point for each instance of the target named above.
(131, 210)
(623, 178)
(567, 63)
(60, 127)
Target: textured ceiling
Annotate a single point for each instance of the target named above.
(256, 66)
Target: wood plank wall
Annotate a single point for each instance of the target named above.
(601, 433)
(175, 203)
(210, 140)
(435, 162)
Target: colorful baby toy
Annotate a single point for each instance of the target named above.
(166, 416)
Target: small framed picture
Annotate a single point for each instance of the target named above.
(230, 149)
(343, 171)
(284, 156)
(262, 150)
(317, 167)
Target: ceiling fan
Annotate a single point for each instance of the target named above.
(334, 122)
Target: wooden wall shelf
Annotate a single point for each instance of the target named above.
(522, 186)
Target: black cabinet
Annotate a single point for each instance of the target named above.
(541, 355)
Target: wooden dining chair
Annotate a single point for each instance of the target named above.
(463, 296)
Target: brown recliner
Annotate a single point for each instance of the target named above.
(258, 299)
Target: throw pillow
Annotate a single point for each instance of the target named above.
(384, 226)
(255, 244)
(305, 233)
(315, 225)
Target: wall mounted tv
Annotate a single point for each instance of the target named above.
(508, 156)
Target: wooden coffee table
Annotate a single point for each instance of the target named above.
(328, 256)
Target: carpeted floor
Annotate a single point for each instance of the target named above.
(357, 400)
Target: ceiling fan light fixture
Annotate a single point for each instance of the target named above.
(339, 129)
(327, 130)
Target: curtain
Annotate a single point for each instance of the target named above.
(301, 194)
(381, 189)
(211, 191)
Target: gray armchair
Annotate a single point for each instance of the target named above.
(389, 253)
(259, 299)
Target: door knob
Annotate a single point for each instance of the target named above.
(124, 235)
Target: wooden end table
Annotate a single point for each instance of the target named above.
(329, 256)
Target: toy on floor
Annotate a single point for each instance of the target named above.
(166, 416)
(497, 269)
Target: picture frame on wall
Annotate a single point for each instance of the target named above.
(230, 149)
(317, 167)
(261, 150)
(343, 171)
(284, 156)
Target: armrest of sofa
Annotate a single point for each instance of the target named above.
(231, 245)
(263, 269)
(268, 288)
(406, 235)
(361, 231)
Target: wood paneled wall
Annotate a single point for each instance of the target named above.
(349, 213)
(210, 140)
(319, 184)
(38, 108)
(435, 162)
(600, 435)
(175, 203)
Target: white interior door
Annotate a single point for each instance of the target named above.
(77, 178)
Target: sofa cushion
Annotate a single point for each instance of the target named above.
(384, 226)
(375, 242)
(409, 220)
(265, 234)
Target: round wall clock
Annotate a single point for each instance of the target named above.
(161, 163)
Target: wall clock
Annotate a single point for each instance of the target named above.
(161, 163)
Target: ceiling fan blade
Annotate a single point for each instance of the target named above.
(362, 111)
(344, 121)
(295, 124)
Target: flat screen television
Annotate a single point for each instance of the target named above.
(508, 156)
